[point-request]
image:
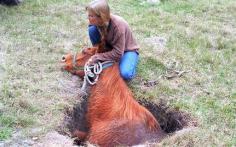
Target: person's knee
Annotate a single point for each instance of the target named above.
(92, 30)
(94, 34)
(127, 74)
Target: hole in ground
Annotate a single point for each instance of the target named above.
(170, 119)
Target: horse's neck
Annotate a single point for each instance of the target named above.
(114, 86)
(112, 79)
(111, 83)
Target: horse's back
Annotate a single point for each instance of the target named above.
(121, 132)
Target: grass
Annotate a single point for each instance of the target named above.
(200, 38)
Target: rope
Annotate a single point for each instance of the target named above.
(74, 64)
(92, 73)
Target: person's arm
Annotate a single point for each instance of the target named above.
(115, 54)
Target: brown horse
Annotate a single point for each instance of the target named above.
(113, 116)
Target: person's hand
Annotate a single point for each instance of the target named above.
(84, 49)
(92, 60)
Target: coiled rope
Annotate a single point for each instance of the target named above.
(92, 73)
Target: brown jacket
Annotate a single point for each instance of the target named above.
(120, 38)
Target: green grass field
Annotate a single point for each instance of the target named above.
(199, 36)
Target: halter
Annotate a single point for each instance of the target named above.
(75, 67)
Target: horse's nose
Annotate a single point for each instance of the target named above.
(63, 59)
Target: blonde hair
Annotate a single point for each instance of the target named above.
(101, 9)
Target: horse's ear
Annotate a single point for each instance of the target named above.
(91, 50)
(96, 48)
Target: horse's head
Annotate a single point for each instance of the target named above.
(75, 63)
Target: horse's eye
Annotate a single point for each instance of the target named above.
(63, 59)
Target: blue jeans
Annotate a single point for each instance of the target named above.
(129, 60)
